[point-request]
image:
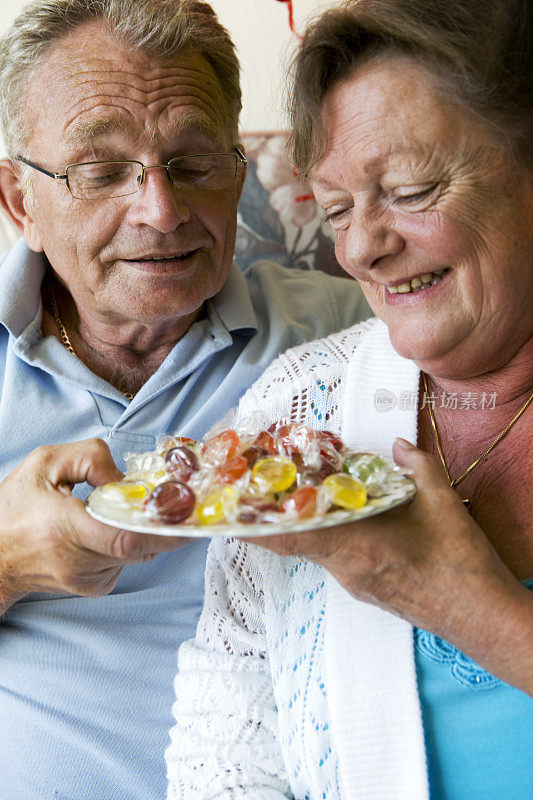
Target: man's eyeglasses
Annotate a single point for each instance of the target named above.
(100, 180)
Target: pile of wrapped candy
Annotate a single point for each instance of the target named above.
(284, 473)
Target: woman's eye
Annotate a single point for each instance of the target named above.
(417, 196)
(336, 216)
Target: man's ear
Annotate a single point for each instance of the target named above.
(13, 202)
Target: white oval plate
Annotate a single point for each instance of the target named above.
(404, 489)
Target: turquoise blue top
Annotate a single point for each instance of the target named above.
(86, 683)
(478, 730)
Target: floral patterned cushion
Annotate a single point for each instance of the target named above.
(278, 216)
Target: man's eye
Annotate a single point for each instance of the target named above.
(102, 174)
(190, 174)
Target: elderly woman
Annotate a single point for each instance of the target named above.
(393, 658)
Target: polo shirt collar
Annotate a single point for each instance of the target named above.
(21, 275)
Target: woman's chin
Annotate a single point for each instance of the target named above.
(430, 349)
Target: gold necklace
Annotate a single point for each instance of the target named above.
(455, 481)
(65, 341)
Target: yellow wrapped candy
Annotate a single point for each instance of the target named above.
(345, 491)
(217, 506)
(126, 491)
(274, 474)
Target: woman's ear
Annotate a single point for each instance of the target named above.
(14, 204)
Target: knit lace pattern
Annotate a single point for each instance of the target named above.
(251, 711)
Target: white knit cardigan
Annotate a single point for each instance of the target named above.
(292, 688)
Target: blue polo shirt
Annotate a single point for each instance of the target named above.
(86, 684)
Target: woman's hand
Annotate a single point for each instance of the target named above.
(48, 542)
(430, 563)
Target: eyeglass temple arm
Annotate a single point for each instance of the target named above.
(54, 175)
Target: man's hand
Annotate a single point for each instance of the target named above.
(48, 542)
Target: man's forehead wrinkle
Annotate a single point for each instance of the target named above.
(126, 92)
(189, 92)
(85, 73)
(110, 94)
(128, 89)
(196, 118)
(74, 69)
(142, 66)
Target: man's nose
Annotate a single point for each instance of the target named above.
(158, 203)
(371, 236)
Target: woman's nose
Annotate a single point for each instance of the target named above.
(370, 237)
(158, 203)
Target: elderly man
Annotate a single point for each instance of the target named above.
(122, 318)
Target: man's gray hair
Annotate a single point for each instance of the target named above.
(162, 28)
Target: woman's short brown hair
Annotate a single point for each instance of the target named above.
(480, 50)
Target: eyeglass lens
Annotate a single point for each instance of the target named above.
(106, 179)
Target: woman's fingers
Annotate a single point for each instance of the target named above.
(422, 467)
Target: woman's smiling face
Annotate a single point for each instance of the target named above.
(431, 215)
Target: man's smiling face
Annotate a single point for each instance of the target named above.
(154, 256)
